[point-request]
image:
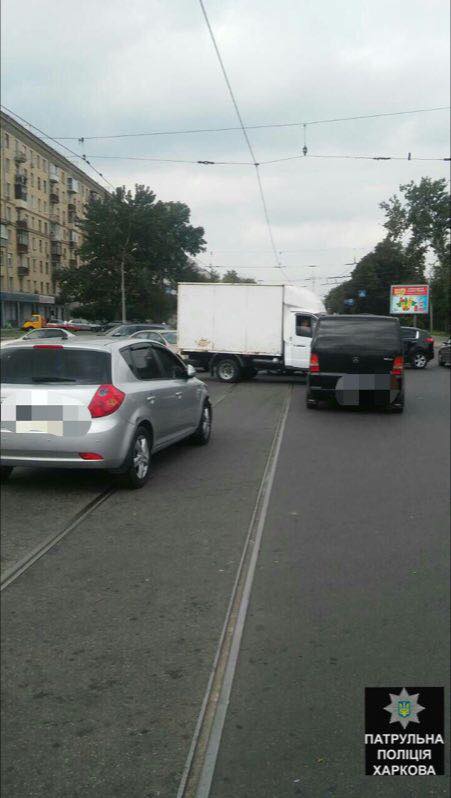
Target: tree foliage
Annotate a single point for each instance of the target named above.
(153, 239)
(417, 225)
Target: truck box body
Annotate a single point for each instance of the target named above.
(238, 318)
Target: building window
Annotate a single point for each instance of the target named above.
(6, 140)
(46, 247)
(40, 266)
(39, 183)
(44, 183)
(39, 206)
(8, 213)
(32, 180)
(39, 162)
(33, 263)
(45, 227)
(29, 285)
(35, 286)
(11, 284)
(7, 191)
(6, 164)
(40, 243)
(44, 164)
(42, 288)
(10, 260)
(45, 206)
(46, 268)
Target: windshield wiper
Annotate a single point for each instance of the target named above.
(53, 379)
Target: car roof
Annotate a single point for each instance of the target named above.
(353, 316)
(95, 343)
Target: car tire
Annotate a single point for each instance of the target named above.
(203, 432)
(418, 360)
(5, 472)
(137, 468)
(312, 404)
(228, 370)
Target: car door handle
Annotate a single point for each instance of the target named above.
(150, 398)
(179, 394)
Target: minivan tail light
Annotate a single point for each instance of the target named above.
(314, 364)
(106, 400)
(429, 340)
(397, 368)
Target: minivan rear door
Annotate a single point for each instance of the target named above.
(357, 345)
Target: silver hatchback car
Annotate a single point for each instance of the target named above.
(97, 403)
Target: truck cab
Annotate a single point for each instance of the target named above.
(35, 323)
(299, 326)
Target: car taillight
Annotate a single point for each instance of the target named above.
(429, 340)
(106, 400)
(398, 366)
(90, 456)
(314, 364)
(48, 346)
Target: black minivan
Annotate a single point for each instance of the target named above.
(357, 360)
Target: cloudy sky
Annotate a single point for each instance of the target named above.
(102, 67)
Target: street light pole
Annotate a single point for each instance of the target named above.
(124, 313)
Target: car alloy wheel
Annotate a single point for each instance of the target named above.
(141, 456)
(419, 360)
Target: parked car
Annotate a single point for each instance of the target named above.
(418, 346)
(97, 403)
(166, 337)
(125, 330)
(357, 360)
(46, 332)
(444, 353)
(34, 323)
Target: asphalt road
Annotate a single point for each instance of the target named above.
(109, 639)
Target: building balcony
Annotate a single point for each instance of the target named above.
(54, 197)
(22, 270)
(55, 231)
(72, 185)
(71, 207)
(3, 235)
(72, 261)
(22, 224)
(56, 248)
(20, 157)
(22, 249)
(54, 174)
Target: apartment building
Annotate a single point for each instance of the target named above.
(43, 195)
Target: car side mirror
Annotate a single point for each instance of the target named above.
(190, 371)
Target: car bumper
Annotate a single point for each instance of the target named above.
(108, 437)
(378, 389)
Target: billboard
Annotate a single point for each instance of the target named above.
(406, 299)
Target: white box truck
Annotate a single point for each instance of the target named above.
(235, 330)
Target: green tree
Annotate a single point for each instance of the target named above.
(152, 240)
(231, 276)
(422, 217)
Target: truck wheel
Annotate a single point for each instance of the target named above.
(228, 370)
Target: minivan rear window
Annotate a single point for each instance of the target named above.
(33, 366)
(375, 334)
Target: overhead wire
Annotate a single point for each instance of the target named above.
(263, 126)
(242, 126)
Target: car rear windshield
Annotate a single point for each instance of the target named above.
(357, 333)
(40, 365)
